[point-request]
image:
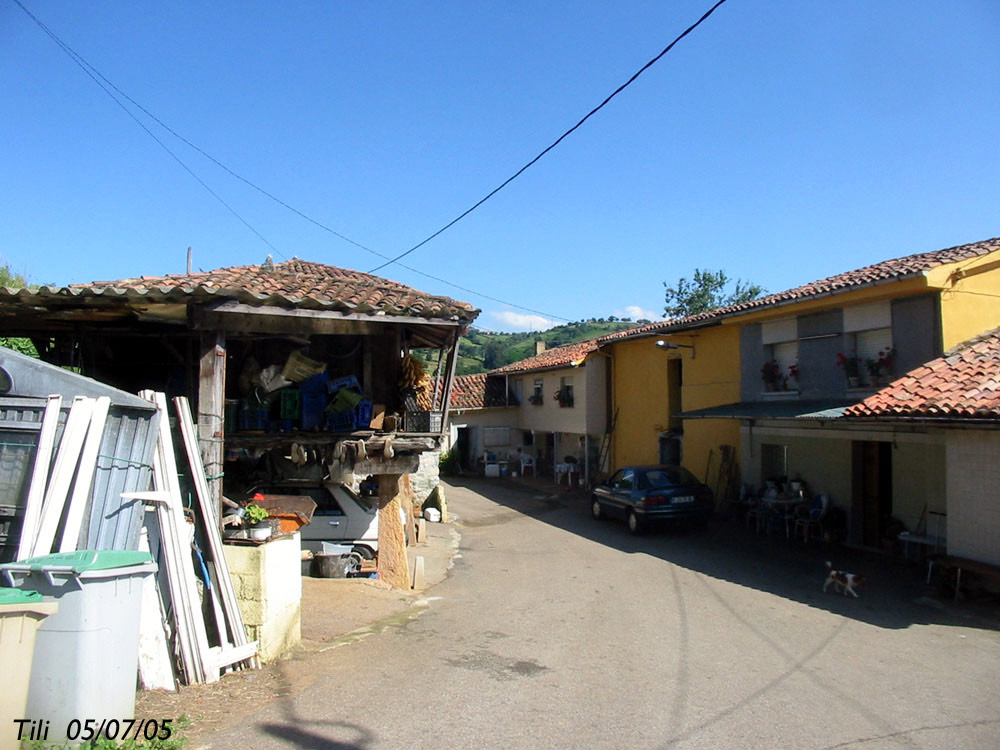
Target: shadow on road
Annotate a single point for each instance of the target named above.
(894, 596)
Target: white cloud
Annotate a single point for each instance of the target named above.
(635, 312)
(521, 322)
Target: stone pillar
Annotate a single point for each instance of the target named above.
(392, 565)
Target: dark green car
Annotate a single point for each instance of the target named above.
(642, 495)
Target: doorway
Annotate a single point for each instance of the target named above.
(871, 502)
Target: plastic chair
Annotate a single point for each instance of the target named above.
(812, 518)
(527, 462)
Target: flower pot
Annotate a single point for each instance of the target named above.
(260, 531)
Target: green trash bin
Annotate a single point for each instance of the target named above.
(21, 612)
(86, 654)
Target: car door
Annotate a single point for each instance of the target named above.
(329, 521)
(624, 491)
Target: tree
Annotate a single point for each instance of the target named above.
(706, 292)
(494, 354)
(15, 281)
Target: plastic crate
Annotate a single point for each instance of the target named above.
(313, 410)
(345, 421)
(315, 384)
(253, 419)
(349, 381)
(290, 406)
(363, 412)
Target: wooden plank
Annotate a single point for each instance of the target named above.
(225, 657)
(211, 408)
(156, 669)
(67, 457)
(186, 606)
(395, 465)
(84, 476)
(452, 364)
(39, 476)
(218, 566)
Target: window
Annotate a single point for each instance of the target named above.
(536, 394)
(519, 390)
(781, 354)
(868, 334)
(565, 393)
(623, 480)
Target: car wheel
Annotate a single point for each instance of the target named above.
(595, 509)
(634, 524)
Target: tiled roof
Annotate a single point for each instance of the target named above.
(963, 384)
(291, 283)
(478, 391)
(888, 270)
(560, 356)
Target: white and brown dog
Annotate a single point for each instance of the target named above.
(842, 581)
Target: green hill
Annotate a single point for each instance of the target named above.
(481, 351)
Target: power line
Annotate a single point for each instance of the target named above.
(555, 143)
(80, 62)
(95, 74)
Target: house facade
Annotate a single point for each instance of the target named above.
(561, 414)
(773, 377)
(955, 399)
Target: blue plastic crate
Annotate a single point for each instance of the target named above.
(313, 410)
(345, 421)
(316, 384)
(363, 412)
(349, 381)
(252, 419)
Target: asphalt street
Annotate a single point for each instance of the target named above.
(557, 631)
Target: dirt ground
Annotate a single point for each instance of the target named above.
(334, 612)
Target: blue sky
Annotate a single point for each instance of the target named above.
(780, 141)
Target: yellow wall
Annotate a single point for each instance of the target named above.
(640, 397)
(970, 299)
(710, 378)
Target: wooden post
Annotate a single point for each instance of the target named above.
(392, 565)
(211, 409)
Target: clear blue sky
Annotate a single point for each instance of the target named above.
(782, 141)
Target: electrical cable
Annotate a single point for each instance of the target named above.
(80, 62)
(92, 72)
(555, 143)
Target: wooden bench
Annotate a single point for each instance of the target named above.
(950, 562)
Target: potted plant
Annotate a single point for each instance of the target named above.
(563, 398)
(793, 374)
(852, 367)
(256, 518)
(771, 373)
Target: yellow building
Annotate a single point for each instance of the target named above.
(772, 377)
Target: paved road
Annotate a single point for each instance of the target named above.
(557, 631)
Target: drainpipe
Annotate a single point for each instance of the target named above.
(609, 410)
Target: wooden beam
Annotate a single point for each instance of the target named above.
(392, 565)
(231, 306)
(39, 477)
(387, 467)
(452, 364)
(211, 408)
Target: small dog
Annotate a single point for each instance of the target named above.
(842, 581)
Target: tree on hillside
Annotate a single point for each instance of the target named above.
(494, 354)
(706, 292)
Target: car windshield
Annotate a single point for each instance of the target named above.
(672, 476)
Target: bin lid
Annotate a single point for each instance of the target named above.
(19, 596)
(82, 560)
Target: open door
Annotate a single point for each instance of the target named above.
(871, 507)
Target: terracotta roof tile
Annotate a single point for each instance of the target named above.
(896, 269)
(294, 282)
(560, 356)
(478, 391)
(964, 383)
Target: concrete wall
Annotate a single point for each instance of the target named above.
(268, 583)
(973, 486)
(819, 376)
(918, 482)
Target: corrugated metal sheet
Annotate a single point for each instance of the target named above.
(124, 461)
